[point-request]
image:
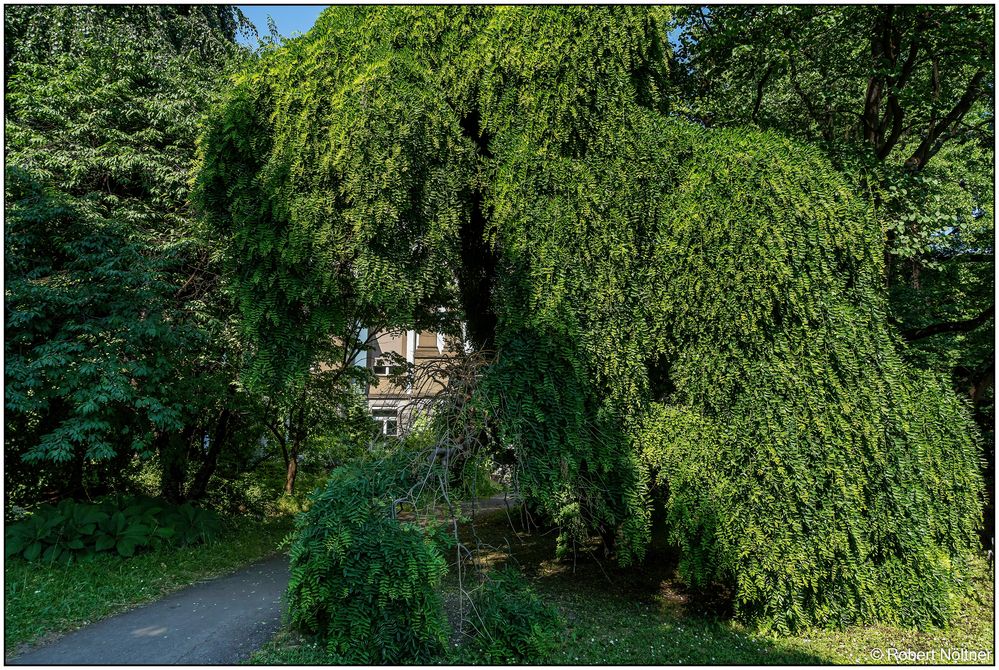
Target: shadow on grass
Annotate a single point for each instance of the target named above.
(640, 614)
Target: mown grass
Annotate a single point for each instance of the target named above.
(44, 599)
(644, 615)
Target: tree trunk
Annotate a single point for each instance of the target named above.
(289, 482)
(76, 488)
(199, 487)
(173, 461)
(477, 275)
(298, 431)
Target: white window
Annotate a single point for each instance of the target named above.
(387, 419)
(384, 367)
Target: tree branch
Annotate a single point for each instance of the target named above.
(760, 86)
(929, 146)
(893, 115)
(809, 105)
(959, 257)
(964, 326)
(276, 432)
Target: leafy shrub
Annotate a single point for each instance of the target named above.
(260, 492)
(509, 622)
(344, 436)
(251, 493)
(332, 450)
(123, 524)
(362, 580)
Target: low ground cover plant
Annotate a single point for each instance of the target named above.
(73, 530)
(509, 622)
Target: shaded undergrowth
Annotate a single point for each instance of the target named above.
(645, 615)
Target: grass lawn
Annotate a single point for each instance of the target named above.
(43, 599)
(643, 615)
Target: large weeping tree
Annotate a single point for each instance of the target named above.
(675, 316)
(901, 98)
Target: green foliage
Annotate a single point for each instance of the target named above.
(573, 453)
(613, 259)
(845, 78)
(345, 430)
(805, 70)
(363, 580)
(804, 463)
(339, 169)
(121, 524)
(322, 416)
(733, 276)
(115, 334)
(901, 98)
(344, 170)
(509, 623)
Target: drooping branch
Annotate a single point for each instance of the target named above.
(962, 326)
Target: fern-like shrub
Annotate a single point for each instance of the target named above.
(812, 536)
(509, 622)
(363, 581)
(803, 462)
(734, 278)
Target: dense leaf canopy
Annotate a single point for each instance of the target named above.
(902, 99)
(674, 312)
(112, 332)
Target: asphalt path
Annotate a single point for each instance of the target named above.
(221, 621)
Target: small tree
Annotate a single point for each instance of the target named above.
(328, 403)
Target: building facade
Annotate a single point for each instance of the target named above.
(397, 400)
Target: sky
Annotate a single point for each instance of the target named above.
(289, 19)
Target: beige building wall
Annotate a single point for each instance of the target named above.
(397, 406)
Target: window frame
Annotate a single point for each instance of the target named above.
(385, 416)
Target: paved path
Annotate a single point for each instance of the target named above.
(221, 621)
